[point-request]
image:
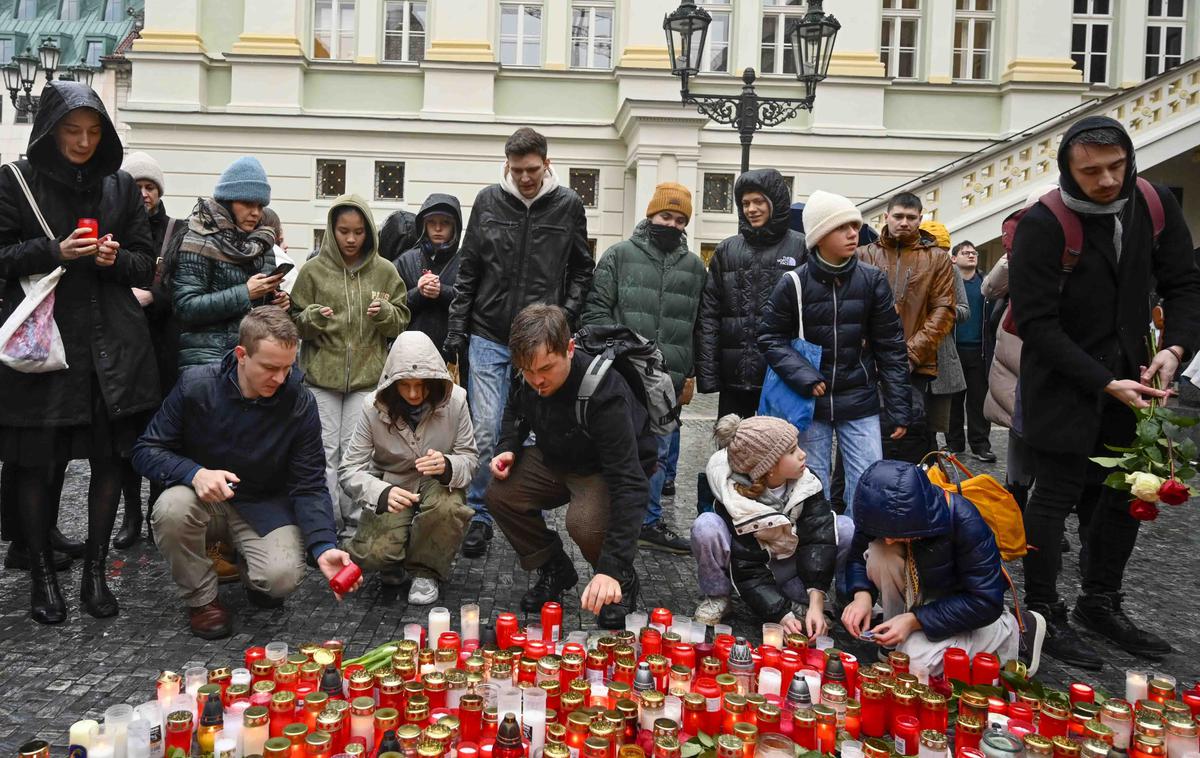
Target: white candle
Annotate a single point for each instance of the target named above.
(824, 643)
(469, 619)
(682, 625)
(813, 679)
(137, 739)
(719, 629)
(102, 745)
(699, 630)
(533, 632)
(193, 679)
(772, 634)
(240, 676)
(852, 749)
(769, 680)
(225, 746)
(635, 621)
(82, 733)
(509, 701)
(277, 652)
(439, 621)
(1137, 684)
(116, 724)
(533, 717)
(152, 715)
(413, 632)
(673, 708)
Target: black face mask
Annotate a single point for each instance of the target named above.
(665, 238)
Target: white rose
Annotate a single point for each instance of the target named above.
(1144, 486)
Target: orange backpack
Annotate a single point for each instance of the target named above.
(996, 504)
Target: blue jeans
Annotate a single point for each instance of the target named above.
(657, 479)
(487, 394)
(672, 457)
(859, 443)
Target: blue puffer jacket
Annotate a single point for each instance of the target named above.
(850, 313)
(958, 563)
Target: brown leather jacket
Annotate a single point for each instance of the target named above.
(922, 280)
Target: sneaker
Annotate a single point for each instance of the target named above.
(554, 577)
(612, 616)
(423, 591)
(475, 544)
(210, 622)
(712, 610)
(669, 488)
(1063, 642)
(985, 456)
(1029, 649)
(1101, 613)
(226, 571)
(659, 536)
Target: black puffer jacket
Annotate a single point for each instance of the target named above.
(850, 313)
(815, 555)
(101, 323)
(430, 316)
(513, 255)
(741, 276)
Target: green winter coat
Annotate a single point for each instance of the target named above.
(655, 294)
(346, 352)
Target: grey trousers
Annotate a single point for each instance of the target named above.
(273, 563)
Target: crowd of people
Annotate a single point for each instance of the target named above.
(410, 388)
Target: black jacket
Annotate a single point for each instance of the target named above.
(743, 272)
(430, 316)
(513, 255)
(272, 444)
(850, 313)
(102, 326)
(164, 331)
(618, 445)
(398, 234)
(1078, 340)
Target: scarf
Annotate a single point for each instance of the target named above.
(212, 233)
(1088, 208)
(412, 414)
(549, 184)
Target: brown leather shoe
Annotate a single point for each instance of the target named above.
(226, 571)
(210, 622)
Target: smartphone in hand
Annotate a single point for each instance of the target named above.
(282, 269)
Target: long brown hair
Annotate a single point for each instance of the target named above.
(396, 404)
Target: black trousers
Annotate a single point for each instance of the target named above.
(978, 427)
(916, 442)
(742, 402)
(1063, 481)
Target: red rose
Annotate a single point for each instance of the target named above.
(1143, 511)
(1173, 492)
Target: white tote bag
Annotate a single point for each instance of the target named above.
(29, 338)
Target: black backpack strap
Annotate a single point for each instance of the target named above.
(596, 371)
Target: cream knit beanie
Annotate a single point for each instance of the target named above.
(824, 212)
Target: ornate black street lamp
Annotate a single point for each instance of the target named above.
(811, 40)
(21, 74)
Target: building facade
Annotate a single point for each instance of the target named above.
(395, 99)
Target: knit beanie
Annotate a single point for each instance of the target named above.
(244, 180)
(670, 196)
(824, 212)
(144, 168)
(754, 445)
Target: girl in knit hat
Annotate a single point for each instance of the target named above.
(773, 532)
(845, 306)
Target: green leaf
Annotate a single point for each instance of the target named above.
(1173, 431)
(1132, 463)
(1014, 680)
(1148, 430)
(1116, 480)
(1155, 454)
(1185, 473)
(689, 749)
(1107, 462)
(705, 740)
(1119, 449)
(1185, 422)
(1186, 450)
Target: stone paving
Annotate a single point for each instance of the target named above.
(52, 676)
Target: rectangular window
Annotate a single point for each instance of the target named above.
(331, 178)
(26, 10)
(899, 37)
(333, 29)
(716, 46)
(69, 11)
(1166, 28)
(6, 50)
(775, 55)
(1091, 29)
(404, 24)
(114, 11)
(389, 180)
(591, 35)
(95, 49)
(521, 33)
(974, 21)
(586, 183)
(718, 193)
(25, 116)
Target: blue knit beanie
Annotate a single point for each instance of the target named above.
(244, 180)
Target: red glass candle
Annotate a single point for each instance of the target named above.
(448, 641)
(92, 225)
(850, 665)
(996, 705)
(874, 710)
(661, 616)
(971, 751)
(789, 663)
(551, 621)
(804, 729)
(1192, 701)
(468, 750)
(707, 686)
(1082, 693)
(985, 669)
(722, 644)
(1020, 711)
(253, 654)
(506, 626)
(651, 640)
(770, 656)
(535, 649)
(906, 730)
(517, 639)
(683, 654)
(956, 665)
(826, 733)
(815, 660)
(345, 578)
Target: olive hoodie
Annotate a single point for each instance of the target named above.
(346, 352)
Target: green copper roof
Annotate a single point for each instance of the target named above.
(72, 36)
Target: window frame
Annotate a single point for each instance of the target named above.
(64, 4)
(335, 31)
(717, 8)
(783, 14)
(87, 55)
(317, 194)
(972, 17)
(592, 7)
(521, 39)
(12, 42)
(403, 181)
(1162, 23)
(1090, 20)
(597, 189)
(405, 35)
(704, 207)
(891, 53)
(119, 5)
(27, 4)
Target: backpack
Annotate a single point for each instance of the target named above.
(1073, 233)
(639, 361)
(995, 503)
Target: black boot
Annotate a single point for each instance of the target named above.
(63, 544)
(612, 616)
(1063, 642)
(1102, 614)
(554, 577)
(46, 604)
(131, 527)
(97, 599)
(17, 558)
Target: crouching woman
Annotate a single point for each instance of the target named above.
(408, 462)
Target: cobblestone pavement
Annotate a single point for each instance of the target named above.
(52, 676)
